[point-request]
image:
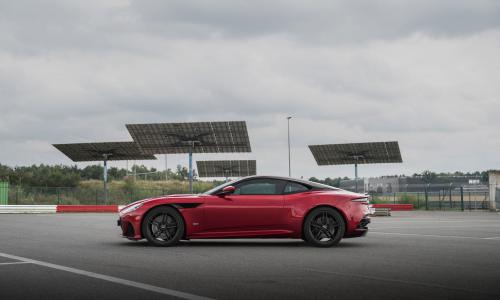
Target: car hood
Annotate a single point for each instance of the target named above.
(176, 198)
(168, 199)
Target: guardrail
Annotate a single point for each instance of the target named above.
(28, 209)
(50, 209)
(394, 207)
(381, 211)
(86, 208)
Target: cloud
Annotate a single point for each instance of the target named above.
(346, 72)
(326, 21)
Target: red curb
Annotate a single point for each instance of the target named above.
(394, 207)
(86, 208)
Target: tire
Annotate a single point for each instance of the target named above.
(324, 227)
(163, 226)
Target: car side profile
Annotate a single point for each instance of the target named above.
(252, 207)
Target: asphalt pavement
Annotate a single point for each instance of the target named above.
(410, 255)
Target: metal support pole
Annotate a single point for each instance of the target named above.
(105, 178)
(470, 204)
(439, 197)
(462, 197)
(190, 174)
(135, 171)
(426, 197)
(166, 168)
(356, 177)
(451, 203)
(289, 159)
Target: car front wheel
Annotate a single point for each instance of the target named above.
(163, 226)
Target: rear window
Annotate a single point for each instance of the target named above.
(293, 187)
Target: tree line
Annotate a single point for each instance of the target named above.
(426, 176)
(70, 176)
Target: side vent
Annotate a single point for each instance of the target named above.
(186, 205)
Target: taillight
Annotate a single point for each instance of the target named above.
(363, 200)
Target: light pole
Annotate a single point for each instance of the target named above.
(289, 167)
(356, 157)
(105, 157)
(166, 168)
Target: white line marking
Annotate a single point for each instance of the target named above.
(432, 221)
(427, 235)
(437, 227)
(436, 236)
(117, 280)
(14, 263)
(409, 282)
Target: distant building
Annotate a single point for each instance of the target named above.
(394, 184)
(350, 185)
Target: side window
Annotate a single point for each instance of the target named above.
(259, 187)
(294, 187)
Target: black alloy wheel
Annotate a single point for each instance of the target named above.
(163, 226)
(324, 227)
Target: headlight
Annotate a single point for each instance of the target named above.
(131, 208)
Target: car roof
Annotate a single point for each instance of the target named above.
(301, 181)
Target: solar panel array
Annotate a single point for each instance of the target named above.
(226, 168)
(360, 153)
(194, 137)
(97, 151)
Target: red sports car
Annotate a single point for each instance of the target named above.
(252, 207)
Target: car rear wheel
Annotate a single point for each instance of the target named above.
(163, 226)
(324, 227)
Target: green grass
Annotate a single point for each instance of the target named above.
(91, 192)
(170, 187)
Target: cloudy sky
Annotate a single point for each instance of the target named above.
(425, 73)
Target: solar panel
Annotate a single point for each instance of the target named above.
(356, 153)
(226, 168)
(97, 151)
(194, 137)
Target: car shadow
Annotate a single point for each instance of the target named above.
(241, 243)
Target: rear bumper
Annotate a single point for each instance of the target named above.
(361, 229)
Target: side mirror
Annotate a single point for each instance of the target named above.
(227, 190)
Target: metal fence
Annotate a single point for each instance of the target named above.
(451, 200)
(461, 198)
(69, 195)
(4, 193)
(435, 196)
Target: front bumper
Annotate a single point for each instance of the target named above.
(130, 226)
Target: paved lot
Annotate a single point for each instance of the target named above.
(411, 255)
